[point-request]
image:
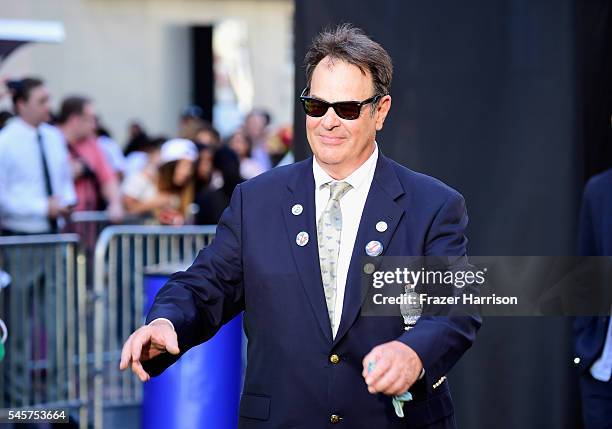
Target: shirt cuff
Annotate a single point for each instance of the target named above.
(163, 318)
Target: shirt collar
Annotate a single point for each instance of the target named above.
(24, 125)
(356, 179)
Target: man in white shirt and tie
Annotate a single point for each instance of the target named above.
(36, 188)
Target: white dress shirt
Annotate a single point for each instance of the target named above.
(351, 206)
(23, 195)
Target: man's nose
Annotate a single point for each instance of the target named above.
(330, 119)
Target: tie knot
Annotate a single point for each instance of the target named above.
(338, 189)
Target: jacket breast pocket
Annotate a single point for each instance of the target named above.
(254, 406)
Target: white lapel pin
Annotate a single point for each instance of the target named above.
(374, 248)
(381, 226)
(297, 209)
(302, 239)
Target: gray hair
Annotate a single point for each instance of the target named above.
(350, 44)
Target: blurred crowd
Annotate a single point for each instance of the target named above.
(55, 164)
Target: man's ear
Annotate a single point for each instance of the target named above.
(382, 109)
(19, 106)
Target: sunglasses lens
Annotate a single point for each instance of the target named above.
(345, 110)
(314, 107)
(348, 110)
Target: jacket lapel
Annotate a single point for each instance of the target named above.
(300, 190)
(380, 206)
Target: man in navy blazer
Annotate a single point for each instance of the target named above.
(309, 346)
(594, 334)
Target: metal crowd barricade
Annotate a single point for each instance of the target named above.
(121, 254)
(89, 225)
(44, 308)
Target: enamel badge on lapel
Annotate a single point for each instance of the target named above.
(302, 239)
(297, 209)
(374, 248)
(381, 226)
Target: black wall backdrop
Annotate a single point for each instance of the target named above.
(202, 74)
(508, 102)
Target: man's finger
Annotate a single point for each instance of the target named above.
(385, 381)
(397, 388)
(141, 337)
(373, 356)
(171, 343)
(382, 366)
(365, 361)
(139, 371)
(125, 354)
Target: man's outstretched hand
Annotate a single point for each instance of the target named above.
(146, 343)
(397, 368)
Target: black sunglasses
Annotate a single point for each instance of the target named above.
(345, 109)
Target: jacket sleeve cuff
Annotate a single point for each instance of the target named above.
(164, 319)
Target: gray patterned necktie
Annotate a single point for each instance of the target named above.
(328, 234)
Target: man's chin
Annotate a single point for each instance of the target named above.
(330, 155)
(329, 160)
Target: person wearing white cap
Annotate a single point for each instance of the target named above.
(176, 170)
(165, 187)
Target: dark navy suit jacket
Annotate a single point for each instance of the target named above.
(254, 265)
(595, 240)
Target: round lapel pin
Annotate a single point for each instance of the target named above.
(368, 268)
(302, 239)
(297, 209)
(381, 226)
(374, 248)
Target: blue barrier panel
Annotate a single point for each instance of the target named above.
(202, 389)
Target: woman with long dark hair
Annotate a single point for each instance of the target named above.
(176, 179)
